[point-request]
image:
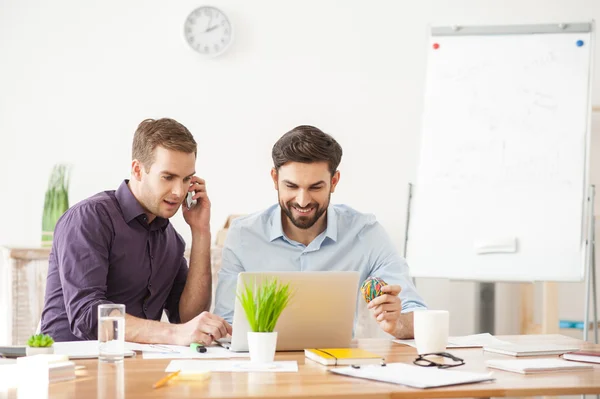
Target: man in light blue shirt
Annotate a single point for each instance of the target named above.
(304, 232)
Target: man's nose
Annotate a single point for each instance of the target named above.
(178, 190)
(303, 199)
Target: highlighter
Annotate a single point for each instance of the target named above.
(198, 347)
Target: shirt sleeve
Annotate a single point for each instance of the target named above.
(172, 304)
(388, 265)
(230, 268)
(82, 240)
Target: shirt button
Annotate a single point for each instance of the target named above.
(145, 309)
(150, 285)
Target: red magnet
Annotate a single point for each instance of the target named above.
(436, 46)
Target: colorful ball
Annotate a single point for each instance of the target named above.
(371, 288)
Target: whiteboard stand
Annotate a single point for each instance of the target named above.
(408, 201)
(487, 307)
(590, 283)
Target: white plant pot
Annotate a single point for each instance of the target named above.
(261, 346)
(32, 350)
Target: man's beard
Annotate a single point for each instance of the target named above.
(304, 222)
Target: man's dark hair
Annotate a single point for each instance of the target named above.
(307, 144)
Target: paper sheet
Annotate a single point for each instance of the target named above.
(414, 376)
(185, 352)
(467, 341)
(243, 366)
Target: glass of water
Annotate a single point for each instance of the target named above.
(111, 332)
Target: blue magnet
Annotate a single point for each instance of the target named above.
(579, 43)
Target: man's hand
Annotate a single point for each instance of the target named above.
(386, 309)
(204, 328)
(198, 216)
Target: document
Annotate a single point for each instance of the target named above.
(244, 366)
(185, 352)
(414, 376)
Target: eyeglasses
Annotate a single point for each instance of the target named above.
(423, 361)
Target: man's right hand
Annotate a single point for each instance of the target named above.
(204, 328)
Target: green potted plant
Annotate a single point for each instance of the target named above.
(38, 344)
(263, 303)
(56, 201)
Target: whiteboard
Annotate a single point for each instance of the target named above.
(502, 183)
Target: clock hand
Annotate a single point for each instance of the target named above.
(210, 29)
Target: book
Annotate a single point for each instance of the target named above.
(530, 350)
(466, 341)
(46, 367)
(343, 356)
(532, 366)
(587, 356)
(413, 376)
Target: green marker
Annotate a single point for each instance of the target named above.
(198, 347)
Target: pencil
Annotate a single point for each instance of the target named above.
(163, 381)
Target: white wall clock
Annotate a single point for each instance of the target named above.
(208, 31)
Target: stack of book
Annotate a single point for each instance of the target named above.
(45, 368)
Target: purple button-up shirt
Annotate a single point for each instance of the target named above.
(104, 251)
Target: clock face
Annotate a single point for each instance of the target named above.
(208, 31)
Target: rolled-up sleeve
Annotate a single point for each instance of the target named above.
(230, 268)
(83, 239)
(388, 265)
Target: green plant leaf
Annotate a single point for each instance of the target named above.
(40, 341)
(56, 200)
(263, 303)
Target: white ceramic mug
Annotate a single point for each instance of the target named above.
(431, 330)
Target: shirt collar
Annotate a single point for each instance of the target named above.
(277, 227)
(132, 209)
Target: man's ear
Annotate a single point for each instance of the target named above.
(335, 179)
(136, 170)
(274, 176)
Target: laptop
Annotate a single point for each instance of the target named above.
(320, 313)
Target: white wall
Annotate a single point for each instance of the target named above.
(76, 77)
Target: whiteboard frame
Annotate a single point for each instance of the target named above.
(457, 30)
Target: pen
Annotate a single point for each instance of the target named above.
(198, 347)
(163, 381)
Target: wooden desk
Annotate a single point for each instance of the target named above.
(134, 379)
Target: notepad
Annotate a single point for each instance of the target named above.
(342, 356)
(530, 350)
(413, 376)
(532, 366)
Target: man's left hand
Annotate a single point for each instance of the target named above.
(387, 308)
(198, 216)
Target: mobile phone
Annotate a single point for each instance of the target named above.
(189, 201)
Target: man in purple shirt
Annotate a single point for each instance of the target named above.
(119, 247)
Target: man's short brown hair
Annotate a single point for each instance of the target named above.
(307, 144)
(165, 132)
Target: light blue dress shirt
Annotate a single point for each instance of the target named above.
(352, 241)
